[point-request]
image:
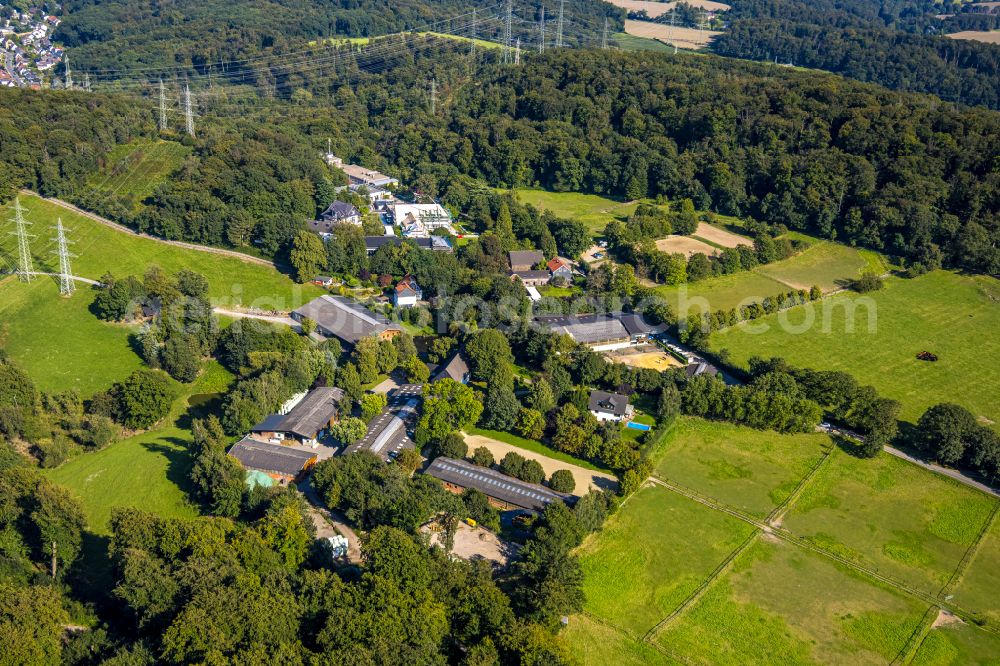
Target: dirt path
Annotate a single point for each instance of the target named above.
(585, 478)
(274, 319)
(330, 523)
(125, 230)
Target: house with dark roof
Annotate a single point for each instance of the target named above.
(525, 260)
(609, 406)
(407, 292)
(504, 492)
(306, 421)
(336, 213)
(455, 368)
(282, 463)
(340, 317)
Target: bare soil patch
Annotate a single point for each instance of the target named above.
(472, 543)
(685, 38)
(654, 9)
(987, 37)
(721, 236)
(654, 359)
(585, 478)
(684, 245)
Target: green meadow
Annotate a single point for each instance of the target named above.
(953, 316)
(135, 169)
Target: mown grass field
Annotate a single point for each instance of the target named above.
(135, 169)
(598, 644)
(779, 604)
(954, 316)
(593, 210)
(61, 344)
(148, 471)
(652, 555)
(888, 514)
(753, 471)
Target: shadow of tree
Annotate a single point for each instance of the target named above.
(179, 461)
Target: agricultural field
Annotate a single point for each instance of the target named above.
(953, 316)
(135, 169)
(720, 237)
(984, 36)
(978, 589)
(752, 471)
(148, 471)
(825, 264)
(892, 516)
(596, 643)
(684, 38)
(781, 604)
(628, 42)
(654, 9)
(653, 554)
(686, 245)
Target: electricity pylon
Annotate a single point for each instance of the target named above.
(66, 285)
(25, 269)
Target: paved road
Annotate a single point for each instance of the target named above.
(390, 432)
(946, 471)
(119, 227)
(8, 63)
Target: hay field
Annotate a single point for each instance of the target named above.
(984, 36)
(685, 38)
(720, 236)
(654, 9)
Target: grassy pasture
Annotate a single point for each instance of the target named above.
(958, 644)
(753, 471)
(888, 514)
(593, 210)
(651, 555)
(954, 316)
(595, 644)
(781, 605)
(148, 471)
(135, 169)
(979, 589)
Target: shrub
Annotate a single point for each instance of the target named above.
(562, 481)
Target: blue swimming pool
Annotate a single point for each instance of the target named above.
(638, 426)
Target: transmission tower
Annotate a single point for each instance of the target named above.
(188, 114)
(69, 74)
(86, 81)
(604, 35)
(507, 32)
(24, 265)
(517, 52)
(541, 32)
(66, 285)
(163, 107)
(433, 97)
(472, 49)
(559, 24)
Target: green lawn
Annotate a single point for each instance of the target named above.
(979, 589)
(535, 446)
(954, 316)
(58, 342)
(594, 644)
(61, 344)
(753, 471)
(958, 645)
(628, 42)
(148, 471)
(779, 604)
(721, 293)
(651, 555)
(885, 513)
(135, 169)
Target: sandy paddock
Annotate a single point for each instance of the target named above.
(720, 236)
(652, 359)
(684, 245)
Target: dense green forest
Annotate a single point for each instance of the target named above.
(209, 36)
(895, 44)
(900, 173)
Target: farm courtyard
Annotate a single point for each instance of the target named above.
(754, 547)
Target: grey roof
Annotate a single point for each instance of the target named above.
(339, 210)
(700, 368)
(456, 368)
(636, 324)
(586, 328)
(272, 458)
(344, 318)
(493, 483)
(526, 258)
(612, 403)
(306, 419)
(530, 275)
